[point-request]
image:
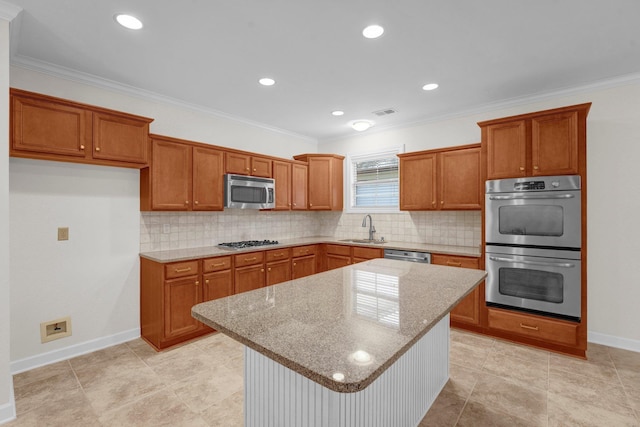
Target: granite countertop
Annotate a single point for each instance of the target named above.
(212, 251)
(342, 328)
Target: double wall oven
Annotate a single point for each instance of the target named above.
(533, 241)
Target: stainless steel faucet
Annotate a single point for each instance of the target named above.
(372, 229)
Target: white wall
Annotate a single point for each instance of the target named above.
(613, 150)
(93, 277)
(7, 408)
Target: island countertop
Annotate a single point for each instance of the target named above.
(342, 328)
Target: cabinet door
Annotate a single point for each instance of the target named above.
(261, 166)
(460, 179)
(337, 261)
(467, 310)
(170, 176)
(282, 175)
(237, 163)
(249, 278)
(207, 179)
(120, 138)
(554, 144)
(298, 187)
(179, 296)
(506, 150)
(278, 272)
(418, 182)
(217, 285)
(303, 266)
(320, 183)
(52, 128)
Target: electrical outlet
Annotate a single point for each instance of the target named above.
(55, 329)
(63, 233)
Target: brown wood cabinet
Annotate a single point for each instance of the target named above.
(447, 179)
(278, 262)
(249, 271)
(361, 253)
(217, 278)
(48, 128)
(298, 186)
(182, 176)
(532, 326)
(342, 255)
(468, 310)
(537, 144)
(282, 175)
(325, 180)
(246, 164)
(304, 261)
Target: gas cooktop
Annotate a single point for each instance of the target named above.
(247, 244)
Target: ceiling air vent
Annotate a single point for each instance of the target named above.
(384, 112)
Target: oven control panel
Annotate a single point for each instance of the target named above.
(529, 185)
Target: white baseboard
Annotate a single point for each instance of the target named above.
(8, 410)
(65, 353)
(613, 341)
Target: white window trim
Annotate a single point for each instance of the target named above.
(349, 174)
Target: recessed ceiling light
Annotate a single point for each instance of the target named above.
(361, 125)
(338, 113)
(373, 31)
(430, 86)
(266, 81)
(128, 21)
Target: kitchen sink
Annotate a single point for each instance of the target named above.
(375, 242)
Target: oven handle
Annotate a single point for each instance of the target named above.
(533, 197)
(550, 264)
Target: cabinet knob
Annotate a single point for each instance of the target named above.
(295, 204)
(310, 204)
(294, 264)
(442, 202)
(269, 269)
(196, 202)
(197, 283)
(254, 169)
(535, 168)
(82, 147)
(433, 203)
(97, 148)
(186, 202)
(206, 281)
(521, 168)
(247, 169)
(262, 270)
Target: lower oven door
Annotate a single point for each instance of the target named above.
(545, 281)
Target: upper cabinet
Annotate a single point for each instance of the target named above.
(183, 176)
(282, 176)
(299, 173)
(47, 128)
(537, 144)
(245, 164)
(325, 176)
(448, 179)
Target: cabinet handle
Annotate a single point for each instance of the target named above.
(82, 147)
(262, 270)
(533, 328)
(268, 269)
(454, 264)
(206, 281)
(97, 148)
(535, 168)
(521, 168)
(442, 202)
(289, 204)
(195, 203)
(197, 283)
(294, 264)
(247, 169)
(295, 204)
(220, 264)
(251, 259)
(254, 169)
(186, 202)
(280, 254)
(182, 270)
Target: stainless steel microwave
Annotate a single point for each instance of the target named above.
(249, 192)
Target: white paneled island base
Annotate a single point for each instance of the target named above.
(276, 396)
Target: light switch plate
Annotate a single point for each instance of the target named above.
(63, 233)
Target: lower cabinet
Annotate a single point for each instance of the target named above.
(343, 255)
(304, 261)
(217, 278)
(278, 266)
(468, 310)
(249, 272)
(179, 296)
(532, 326)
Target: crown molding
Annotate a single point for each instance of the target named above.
(504, 104)
(92, 80)
(9, 11)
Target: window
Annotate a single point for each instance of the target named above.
(372, 181)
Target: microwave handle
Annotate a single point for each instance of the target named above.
(549, 264)
(532, 197)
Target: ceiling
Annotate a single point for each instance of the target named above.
(211, 53)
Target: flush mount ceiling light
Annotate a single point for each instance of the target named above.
(430, 86)
(373, 31)
(128, 21)
(266, 81)
(361, 125)
(337, 113)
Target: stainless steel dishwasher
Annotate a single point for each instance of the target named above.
(412, 256)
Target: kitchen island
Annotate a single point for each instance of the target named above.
(363, 345)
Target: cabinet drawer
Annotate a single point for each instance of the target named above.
(278, 254)
(367, 253)
(304, 250)
(249, 259)
(455, 261)
(216, 264)
(181, 269)
(533, 326)
(339, 250)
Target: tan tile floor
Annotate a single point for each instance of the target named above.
(493, 383)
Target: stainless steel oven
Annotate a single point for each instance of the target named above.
(545, 281)
(540, 211)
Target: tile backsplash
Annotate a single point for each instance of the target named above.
(179, 230)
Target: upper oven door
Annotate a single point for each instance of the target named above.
(536, 218)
